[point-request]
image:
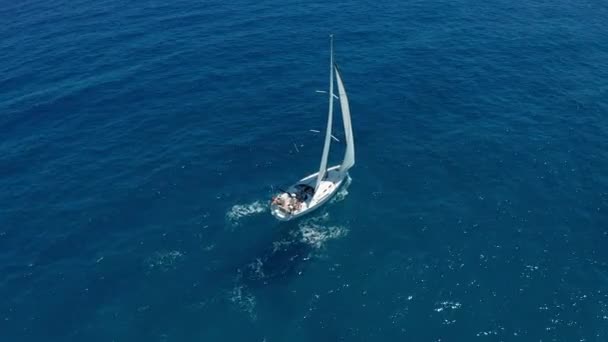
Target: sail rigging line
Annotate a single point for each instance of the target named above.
(325, 92)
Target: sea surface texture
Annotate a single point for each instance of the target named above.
(140, 142)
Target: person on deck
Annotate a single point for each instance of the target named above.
(277, 201)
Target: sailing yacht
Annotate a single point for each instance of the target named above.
(312, 191)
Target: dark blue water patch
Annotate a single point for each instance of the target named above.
(140, 143)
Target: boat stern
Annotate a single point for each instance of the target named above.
(279, 213)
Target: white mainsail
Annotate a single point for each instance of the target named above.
(349, 154)
(325, 155)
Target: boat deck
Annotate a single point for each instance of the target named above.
(294, 202)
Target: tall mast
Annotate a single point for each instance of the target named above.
(325, 155)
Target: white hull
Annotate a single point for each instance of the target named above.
(326, 190)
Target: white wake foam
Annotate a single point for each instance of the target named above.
(244, 300)
(343, 192)
(313, 232)
(448, 305)
(256, 268)
(240, 211)
(165, 260)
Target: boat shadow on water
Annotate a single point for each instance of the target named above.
(280, 260)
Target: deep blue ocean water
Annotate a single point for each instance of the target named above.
(140, 142)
